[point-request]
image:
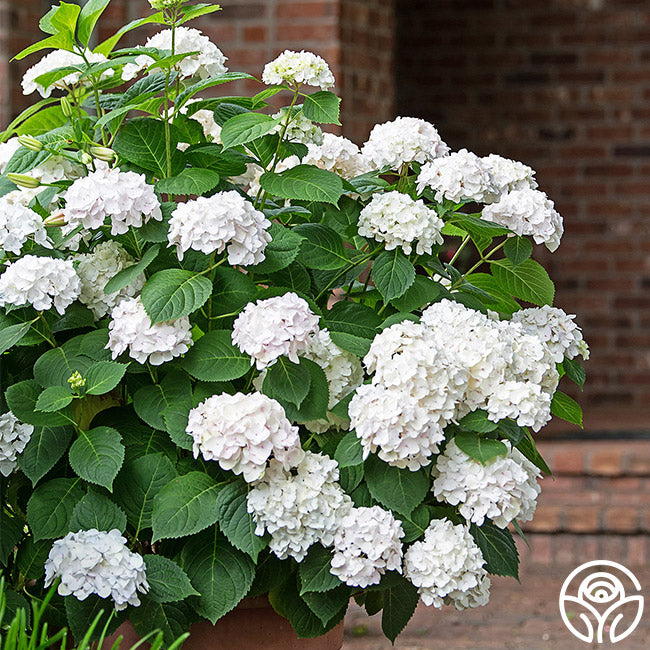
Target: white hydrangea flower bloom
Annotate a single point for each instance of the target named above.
(461, 176)
(297, 68)
(300, 128)
(124, 196)
(398, 220)
(97, 562)
(528, 212)
(131, 328)
(503, 489)
(18, 224)
(403, 141)
(209, 62)
(509, 175)
(299, 508)
(275, 327)
(242, 432)
(40, 282)
(447, 567)
(14, 436)
(366, 545)
(60, 59)
(205, 117)
(337, 154)
(556, 328)
(223, 219)
(97, 268)
(524, 402)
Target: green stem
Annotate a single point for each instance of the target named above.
(168, 139)
(484, 258)
(100, 111)
(349, 267)
(460, 249)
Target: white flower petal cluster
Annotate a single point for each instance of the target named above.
(413, 395)
(60, 59)
(209, 62)
(556, 328)
(14, 436)
(209, 224)
(97, 268)
(301, 507)
(124, 196)
(18, 224)
(97, 562)
(528, 212)
(447, 567)
(403, 141)
(40, 282)
(274, 327)
(398, 220)
(296, 68)
(242, 432)
(366, 545)
(503, 489)
(461, 176)
(7, 150)
(300, 128)
(131, 328)
(337, 154)
(509, 175)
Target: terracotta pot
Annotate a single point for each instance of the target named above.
(252, 625)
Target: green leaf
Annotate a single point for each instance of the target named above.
(172, 619)
(174, 293)
(51, 506)
(281, 251)
(400, 602)
(76, 317)
(314, 406)
(142, 142)
(139, 483)
(90, 13)
(168, 583)
(80, 615)
(323, 247)
(43, 451)
(189, 181)
(481, 449)
(314, 571)
(393, 274)
(31, 558)
(294, 277)
(349, 451)
(528, 281)
(186, 505)
(214, 358)
(220, 573)
(351, 477)
(567, 408)
(304, 183)
(56, 366)
(9, 336)
(21, 400)
(103, 376)
(512, 431)
(152, 402)
(43, 121)
(126, 276)
(210, 82)
(478, 421)
(353, 318)
(479, 229)
(97, 511)
(518, 249)
(97, 456)
(574, 371)
(415, 524)
(527, 448)
(11, 531)
(322, 107)
(398, 489)
(498, 548)
(245, 127)
(351, 343)
(421, 293)
(107, 46)
(288, 381)
(235, 522)
(14, 602)
(54, 398)
(328, 605)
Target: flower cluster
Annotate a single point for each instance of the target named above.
(131, 328)
(297, 68)
(337, 154)
(40, 282)
(299, 129)
(447, 567)
(509, 175)
(275, 327)
(96, 562)
(242, 432)
(398, 220)
(366, 545)
(17, 224)
(124, 196)
(503, 489)
(224, 219)
(14, 436)
(301, 507)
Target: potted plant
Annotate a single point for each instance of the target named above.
(243, 358)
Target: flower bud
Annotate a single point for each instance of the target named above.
(76, 381)
(85, 158)
(30, 142)
(103, 153)
(56, 219)
(22, 180)
(66, 107)
(163, 4)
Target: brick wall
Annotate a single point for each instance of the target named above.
(564, 86)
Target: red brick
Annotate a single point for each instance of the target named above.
(621, 519)
(582, 519)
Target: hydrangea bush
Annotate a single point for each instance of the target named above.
(242, 356)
